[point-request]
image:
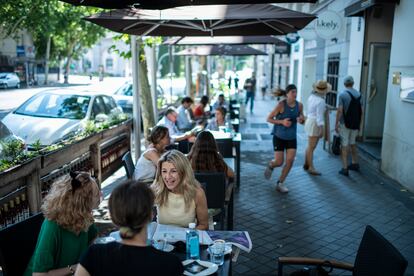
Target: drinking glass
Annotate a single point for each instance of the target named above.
(217, 252)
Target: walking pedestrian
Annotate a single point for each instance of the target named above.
(347, 124)
(236, 82)
(315, 122)
(284, 117)
(250, 87)
(263, 85)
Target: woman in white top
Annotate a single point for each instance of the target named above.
(146, 166)
(315, 122)
(179, 197)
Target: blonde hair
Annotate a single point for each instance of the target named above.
(188, 184)
(69, 205)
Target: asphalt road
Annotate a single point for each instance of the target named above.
(12, 98)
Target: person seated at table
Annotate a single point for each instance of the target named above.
(180, 199)
(200, 112)
(168, 120)
(146, 166)
(221, 102)
(219, 119)
(184, 119)
(68, 228)
(130, 206)
(205, 157)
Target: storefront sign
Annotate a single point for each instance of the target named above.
(20, 52)
(328, 24)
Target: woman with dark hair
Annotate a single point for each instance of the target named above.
(130, 206)
(68, 228)
(204, 156)
(284, 118)
(179, 197)
(199, 111)
(146, 166)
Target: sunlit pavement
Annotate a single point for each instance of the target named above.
(321, 216)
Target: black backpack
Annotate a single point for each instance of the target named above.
(353, 114)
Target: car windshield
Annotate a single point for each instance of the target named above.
(4, 131)
(125, 90)
(52, 105)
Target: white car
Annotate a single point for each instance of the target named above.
(8, 80)
(123, 96)
(54, 115)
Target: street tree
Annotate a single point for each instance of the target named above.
(58, 30)
(147, 110)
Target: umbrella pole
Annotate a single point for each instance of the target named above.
(136, 92)
(188, 75)
(170, 52)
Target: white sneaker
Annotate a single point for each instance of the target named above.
(280, 187)
(268, 172)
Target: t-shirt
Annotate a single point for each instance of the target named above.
(115, 258)
(198, 111)
(250, 85)
(345, 99)
(58, 247)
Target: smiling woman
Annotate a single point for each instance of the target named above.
(178, 196)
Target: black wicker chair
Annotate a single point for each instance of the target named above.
(376, 256)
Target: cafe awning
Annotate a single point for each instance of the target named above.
(220, 50)
(281, 47)
(210, 20)
(165, 4)
(358, 8)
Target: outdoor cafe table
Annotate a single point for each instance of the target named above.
(236, 138)
(179, 251)
(223, 270)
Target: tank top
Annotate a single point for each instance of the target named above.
(287, 133)
(173, 212)
(144, 169)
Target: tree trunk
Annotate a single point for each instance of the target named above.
(67, 68)
(147, 110)
(49, 41)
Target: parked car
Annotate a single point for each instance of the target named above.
(7, 136)
(55, 115)
(123, 96)
(8, 80)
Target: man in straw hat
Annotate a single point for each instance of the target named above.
(348, 120)
(315, 122)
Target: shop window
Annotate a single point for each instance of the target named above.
(332, 78)
(109, 63)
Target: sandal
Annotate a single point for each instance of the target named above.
(313, 172)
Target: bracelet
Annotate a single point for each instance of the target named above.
(72, 272)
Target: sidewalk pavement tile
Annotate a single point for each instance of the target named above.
(321, 216)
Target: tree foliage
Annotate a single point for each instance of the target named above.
(63, 23)
(145, 89)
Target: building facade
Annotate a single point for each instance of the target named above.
(369, 40)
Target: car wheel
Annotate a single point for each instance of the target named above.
(6, 86)
(18, 85)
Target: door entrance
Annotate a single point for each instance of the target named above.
(376, 96)
(309, 78)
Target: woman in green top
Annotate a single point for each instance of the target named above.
(68, 229)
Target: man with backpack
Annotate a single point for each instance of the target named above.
(348, 120)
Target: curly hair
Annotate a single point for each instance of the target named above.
(157, 134)
(204, 155)
(71, 206)
(188, 184)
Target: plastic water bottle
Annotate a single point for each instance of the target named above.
(192, 242)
